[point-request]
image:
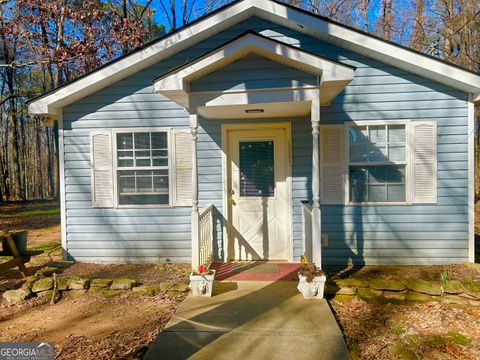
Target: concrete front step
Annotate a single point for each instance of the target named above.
(256, 271)
(251, 320)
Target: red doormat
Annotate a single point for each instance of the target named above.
(256, 271)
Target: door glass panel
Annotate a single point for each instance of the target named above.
(257, 172)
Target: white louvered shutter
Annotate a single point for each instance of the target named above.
(423, 143)
(102, 168)
(183, 167)
(332, 164)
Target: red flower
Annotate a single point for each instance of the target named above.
(202, 269)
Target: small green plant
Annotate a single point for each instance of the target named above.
(398, 329)
(445, 275)
(443, 278)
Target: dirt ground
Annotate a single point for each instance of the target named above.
(40, 218)
(423, 331)
(88, 327)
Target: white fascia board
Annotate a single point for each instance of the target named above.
(471, 178)
(254, 44)
(368, 45)
(142, 59)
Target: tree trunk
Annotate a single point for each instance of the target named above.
(448, 32)
(417, 40)
(387, 19)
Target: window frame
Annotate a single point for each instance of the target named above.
(406, 163)
(170, 167)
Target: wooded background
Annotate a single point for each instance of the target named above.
(47, 43)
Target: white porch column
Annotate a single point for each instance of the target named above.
(316, 219)
(194, 222)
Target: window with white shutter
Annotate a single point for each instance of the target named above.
(183, 167)
(102, 168)
(392, 162)
(142, 167)
(377, 170)
(332, 164)
(424, 161)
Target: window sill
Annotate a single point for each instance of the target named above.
(383, 203)
(166, 206)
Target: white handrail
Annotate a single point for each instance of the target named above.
(205, 235)
(307, 231)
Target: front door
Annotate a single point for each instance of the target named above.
(258, 194)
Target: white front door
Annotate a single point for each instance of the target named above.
(257, 187)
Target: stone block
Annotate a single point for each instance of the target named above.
(347, 291)
(150, 290)
(424, 287)
(101, 283)
(62, 283)
(419, 297)
(47, 271)
(453, 299)
(395, 295)
(389, 285)
(74, 293)
(42, 285)
(78, 283)
(453, 287)
(111, 293)
(28, 281)
(123, 284)
(472, 288)
(17, 296)
(367, 295)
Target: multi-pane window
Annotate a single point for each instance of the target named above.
(378, 160)
(142, 168)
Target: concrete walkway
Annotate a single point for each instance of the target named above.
(251, 320)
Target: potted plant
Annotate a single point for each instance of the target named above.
(311, 281)
(201, 281)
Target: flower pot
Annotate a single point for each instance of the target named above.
(19, 237)
(311, 290)
(202, 284)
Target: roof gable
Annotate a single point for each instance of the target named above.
(332, 76)
(275, 12)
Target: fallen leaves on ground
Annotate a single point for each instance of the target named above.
(430, 330)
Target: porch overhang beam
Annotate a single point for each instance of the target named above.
(176, 84)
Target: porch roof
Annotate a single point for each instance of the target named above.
(332, 77)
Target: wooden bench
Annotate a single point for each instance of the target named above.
(18, 259)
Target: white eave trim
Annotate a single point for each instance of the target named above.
(271, 11)
(178, 82)
(368, 45)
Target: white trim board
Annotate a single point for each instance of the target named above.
(471, 178)
(272, 11)
(61, 174)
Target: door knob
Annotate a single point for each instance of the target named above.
(231, 202)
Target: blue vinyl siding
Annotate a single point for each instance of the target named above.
(419, 234)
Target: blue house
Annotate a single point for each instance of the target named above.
(264, 132)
